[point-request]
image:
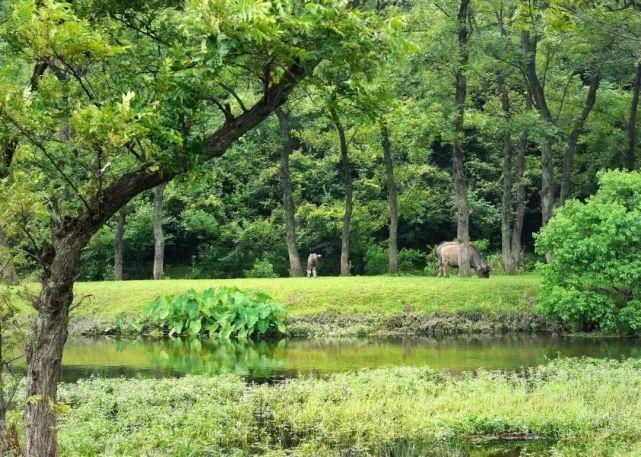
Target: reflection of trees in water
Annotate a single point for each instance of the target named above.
(212, 356)
(275, 360)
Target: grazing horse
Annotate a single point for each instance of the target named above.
(312, 260)
(448, 254)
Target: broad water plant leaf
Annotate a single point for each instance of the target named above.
(224, 312)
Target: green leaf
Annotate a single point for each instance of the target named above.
(195, 326)
(263, 325)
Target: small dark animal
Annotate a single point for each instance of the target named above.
(312, 260)
(447, 253)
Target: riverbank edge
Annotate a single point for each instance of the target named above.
(368, 325)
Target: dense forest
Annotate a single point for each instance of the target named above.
(536, 96)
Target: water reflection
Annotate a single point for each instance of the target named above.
(289, 358)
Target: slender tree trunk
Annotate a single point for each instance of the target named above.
(120, 232)
(392, 197)
(519, 203)
(508, 181)
(159, 237)
(8, 273)
(573, 139)
(529, 46)
(460, 180)
(348, 183)
(630, 154)
(45, 353)
(547, 180)
(295, 269)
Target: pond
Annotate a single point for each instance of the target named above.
(319, 357)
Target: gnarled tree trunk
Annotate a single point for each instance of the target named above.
(295, 269)
(392, 197)
(460, 180)
(60, 260)
(159, 236)
(45, 354)
(349, 190)
(630, 153)
(120, 233)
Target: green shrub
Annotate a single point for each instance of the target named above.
(225, 312)
(495, 261)
(411, 261)
(376, 261)
(594, 281)
(431, 262)
(262, 269)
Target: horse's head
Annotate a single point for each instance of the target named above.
(483, 271)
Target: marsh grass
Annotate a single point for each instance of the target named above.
(584, 406)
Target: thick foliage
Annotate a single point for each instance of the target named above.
(595, 279)
(225, 312)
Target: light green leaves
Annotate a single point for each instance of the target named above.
(225, 312)
(595, 279)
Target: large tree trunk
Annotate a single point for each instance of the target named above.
(120, 232)
(45, 353)
(295, 269)
(630, 154)
(159, 236)
(573, 139)
(348, 183)
(392, 197)
(8, 273)
(460, 180)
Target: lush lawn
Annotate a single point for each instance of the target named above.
(583, 407)
(379, 294)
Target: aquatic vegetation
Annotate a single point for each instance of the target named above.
(224, 312)
(579, 406)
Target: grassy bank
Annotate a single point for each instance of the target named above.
(354, 295)
(583, 407)
(354, 306)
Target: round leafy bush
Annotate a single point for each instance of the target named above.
(225, 312)
(261, 269)
(594, 280)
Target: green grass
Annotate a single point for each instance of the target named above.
(583, 407)
(381, 295)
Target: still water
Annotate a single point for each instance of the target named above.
(319, 357)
